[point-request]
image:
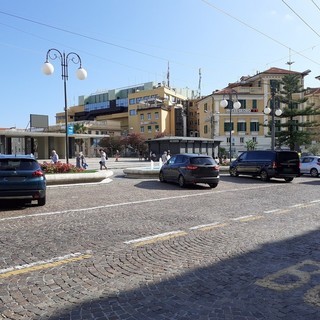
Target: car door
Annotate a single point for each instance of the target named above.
(305, 163)
(178, 166)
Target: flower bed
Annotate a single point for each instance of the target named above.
(60, 167)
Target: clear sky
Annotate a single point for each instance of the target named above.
(128, 42)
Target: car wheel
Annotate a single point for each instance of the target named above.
(288, 179)
(161, 177)
(314, 172)
(264, 175)
(181, 181)
(233, 172)
(213, 185)
(42, 201)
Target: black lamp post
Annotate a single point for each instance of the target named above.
(230, 104)
(274, 112)
(48, 69)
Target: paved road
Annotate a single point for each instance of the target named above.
(139, 249)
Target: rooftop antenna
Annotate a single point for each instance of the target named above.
(199, 87)
(289, 62)
(168, 76)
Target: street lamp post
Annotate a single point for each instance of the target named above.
(231, 105)
(274, 112)
(48, 69)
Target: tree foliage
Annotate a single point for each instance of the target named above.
(295, 130)
(135, 141)
(111, 144)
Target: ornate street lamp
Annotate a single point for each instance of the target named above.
(230, 104)
(274, 112)
(81, 73)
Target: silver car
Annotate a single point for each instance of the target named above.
(310, 165)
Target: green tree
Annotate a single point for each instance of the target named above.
(251, 145)
(135, 141)
(295, 131)
(79, 128)
(111, 144)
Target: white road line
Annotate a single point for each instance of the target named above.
(37, 263)
(315, 201)
(43, 214)
(243, 217)
(161, 235)
(272, 211)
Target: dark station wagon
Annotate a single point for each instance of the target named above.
(190, 168)
(22, 179)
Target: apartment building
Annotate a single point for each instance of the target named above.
(246, 123)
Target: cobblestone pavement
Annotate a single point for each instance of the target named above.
(246, 250)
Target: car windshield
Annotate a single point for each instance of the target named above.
(18, 164)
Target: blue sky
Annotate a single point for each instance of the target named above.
(127, 42)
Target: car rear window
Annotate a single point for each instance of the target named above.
(18, 164)
(202, 161)
(288, 156)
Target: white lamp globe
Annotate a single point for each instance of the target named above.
(47, 68)
(278, 112)
(223, 103)
(81, 74)
(236, 105)
(266, 110)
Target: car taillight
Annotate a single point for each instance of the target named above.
(274, 165)
(191, 167)
(37, 173)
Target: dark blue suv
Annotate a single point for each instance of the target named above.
(22, 179)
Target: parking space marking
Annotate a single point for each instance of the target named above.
(156, 238)
(44, 264)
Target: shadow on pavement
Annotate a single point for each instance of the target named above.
(279, 280)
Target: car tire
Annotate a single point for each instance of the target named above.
(288, 179)
(161, 177)
(213, 185)
(314, 172)
(42, 201)
(264, 175)
(181, 181)
(233, 172)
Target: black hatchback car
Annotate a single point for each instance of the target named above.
(22, 179)
(190, 168)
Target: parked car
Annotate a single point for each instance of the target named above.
(310, 165)
(22, 179)
(190, 168)
(267, 164)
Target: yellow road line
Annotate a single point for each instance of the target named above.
(43, 266)
(208, 228)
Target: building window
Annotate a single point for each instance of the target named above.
(227, 126)
(156, 115)
(149, 116)
(149, 129)
(254, 104)
(156, 127)
(132, 101)
(133, 112)
(241, 139)
(254, 126)
(142, 117)
(243, 104)
(241, 127)
(205, 129)
(205, 108)
(254, 139)
(142, 129)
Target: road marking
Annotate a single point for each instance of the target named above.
(156, 238)
(210, 226)
(248, 218)
(44, 264)
(272, 211)
(43, 214)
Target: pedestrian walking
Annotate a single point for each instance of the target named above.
(81, 161)
(103, 159)
(117, 155)
(164, 157)
(54, 157)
